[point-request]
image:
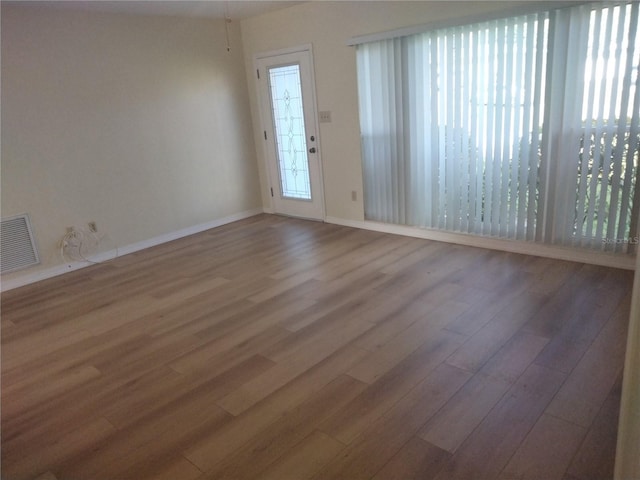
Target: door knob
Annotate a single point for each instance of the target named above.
(312, 150)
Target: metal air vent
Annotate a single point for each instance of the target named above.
(17, 248)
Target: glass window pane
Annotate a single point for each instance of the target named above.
(288, 118)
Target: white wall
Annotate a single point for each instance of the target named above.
(628, 451)
(327, 26)
(141, 124)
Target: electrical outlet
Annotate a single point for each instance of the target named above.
(92, 226)
(354, 195)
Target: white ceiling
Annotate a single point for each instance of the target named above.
(234, 9)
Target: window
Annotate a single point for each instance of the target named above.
(523, 128)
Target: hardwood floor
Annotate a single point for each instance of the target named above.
(283, 349)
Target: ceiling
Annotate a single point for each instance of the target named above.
(234, 9)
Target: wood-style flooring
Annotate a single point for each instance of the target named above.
(283, 349)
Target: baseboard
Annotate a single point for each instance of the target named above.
(57, 270)
(526, 248)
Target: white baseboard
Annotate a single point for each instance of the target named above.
(33, 277)
(526, 248)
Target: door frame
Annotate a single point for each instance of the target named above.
(266, 119)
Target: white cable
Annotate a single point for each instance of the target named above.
(75, 241)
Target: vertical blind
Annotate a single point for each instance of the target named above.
(523, 128)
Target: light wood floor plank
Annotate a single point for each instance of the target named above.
(589, 384)
(57, 451)
(595, 458)
(305, 459)
(464, 412)
(380, 441)
(416, 460)
(288, 430)
(546, 451)
(180, 468)
(212, 449)
(376, 400)
(426, 330)
(490, 338)
(488, 449)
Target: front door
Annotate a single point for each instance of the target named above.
(287, 97)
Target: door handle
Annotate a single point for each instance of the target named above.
(312, 150)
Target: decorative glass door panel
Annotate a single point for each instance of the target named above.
(288, 121)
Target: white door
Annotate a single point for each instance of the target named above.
(287, 97)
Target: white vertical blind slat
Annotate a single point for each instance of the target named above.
(489, 158)
(508, 159)
(412, 125)
(499, 137)
(481, 127)
(516, 134)
(441, 112)
(457, 159)
(533, 202)
(633, 57)
(589, 130)
(575, 83)
(435, 144)
(599, 135)
(626, 68)
(466, 148)
(522, 149)
(472, 79)
(394, 74)
(449, 124)
(605, 215)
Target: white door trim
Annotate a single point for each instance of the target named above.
(265, 118)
